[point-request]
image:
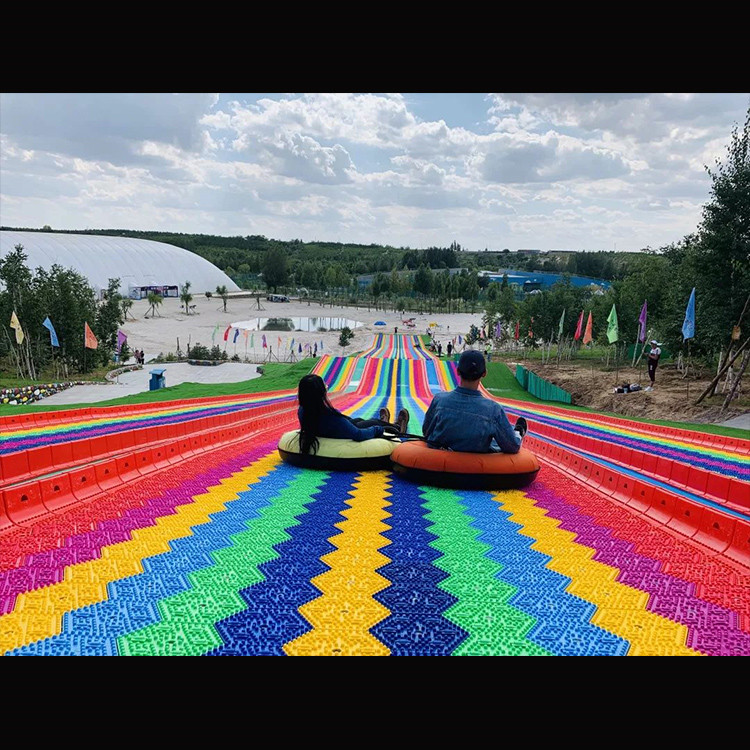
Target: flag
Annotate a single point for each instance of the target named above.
(15, 324)
(278, 341)
(252, 340)
(244, 335)
(688, 327)
(579, 327)
(518, 328)
(642, 321)
(531, 332)
(121, 339)
(53, 334)
(300, 349)
(236, 335)
(89, 340)
(265, 345)
(321, 345)
(588, 337)
(560, 327)
(213, 335)
(226, 333)
(460, 340)
(498, 330)
(612, 330)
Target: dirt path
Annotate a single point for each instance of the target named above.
(669, 399)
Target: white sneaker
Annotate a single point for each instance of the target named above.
(648, 389)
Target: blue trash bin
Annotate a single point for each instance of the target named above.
(157, 379)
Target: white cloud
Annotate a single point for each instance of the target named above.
(543, 170)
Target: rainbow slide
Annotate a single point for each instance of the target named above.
(174, 529)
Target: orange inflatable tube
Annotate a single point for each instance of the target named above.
(419, 463)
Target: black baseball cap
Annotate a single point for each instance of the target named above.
(471, 365)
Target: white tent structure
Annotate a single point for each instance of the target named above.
(137, 263)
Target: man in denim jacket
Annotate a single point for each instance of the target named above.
(464, 420)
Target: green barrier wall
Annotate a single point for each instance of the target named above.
(540, 387)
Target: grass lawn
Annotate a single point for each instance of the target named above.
(276, 377)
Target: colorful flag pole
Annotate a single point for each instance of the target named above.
(89, 340)
(579, 327)
(588, 335)
(53, 334)
(613, 333)
(688, 327)
(642, 318)
(16, 325)
(560, 326)
(688, 332)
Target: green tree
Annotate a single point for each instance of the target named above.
(126, 304)
(275, 272)
(345, 337)
(223, 292)
(154, 300)
(722, 258)
(109, 318)
(186, 297)
(423, 281)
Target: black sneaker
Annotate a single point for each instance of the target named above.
(403, 420)
(521, 427)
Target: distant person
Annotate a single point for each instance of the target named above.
(653, 361)
(319, 419)
(440, 350)
(488, 353)
(395, 329)
(449, 348)
(315, 350)
(464, 420)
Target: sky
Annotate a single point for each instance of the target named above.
(548, 171)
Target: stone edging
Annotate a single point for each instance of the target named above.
(112, 374)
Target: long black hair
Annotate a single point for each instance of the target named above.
(313, 399)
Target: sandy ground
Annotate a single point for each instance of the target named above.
(160, 334)
(130, 383)
(672, 398)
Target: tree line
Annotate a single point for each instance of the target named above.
(68, 300)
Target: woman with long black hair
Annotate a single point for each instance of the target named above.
(318, 418)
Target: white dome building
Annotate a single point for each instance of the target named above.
(141, 265)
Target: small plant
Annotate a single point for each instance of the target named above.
(236, 358)
(345, 337)
(209, 295)
(200, 352)
(217, 354)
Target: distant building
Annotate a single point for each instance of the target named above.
(528, 251)
(142, 266)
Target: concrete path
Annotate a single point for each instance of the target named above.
(742, 422)
(131, 383)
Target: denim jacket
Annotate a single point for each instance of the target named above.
(464, 420)
(335, 425)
